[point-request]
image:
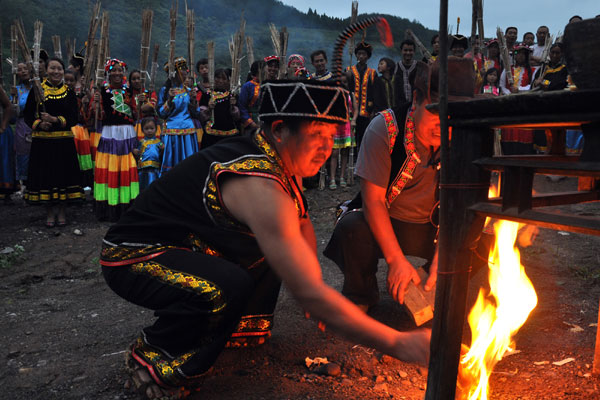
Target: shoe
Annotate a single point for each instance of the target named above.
(50, 224)
(62, 223)
(343, 183)
(332, 185)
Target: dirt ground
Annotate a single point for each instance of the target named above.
(64, 332)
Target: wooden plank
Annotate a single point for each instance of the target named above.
(530, 121)
(544, 219)
(527, 104)
(577, 168)
(418, 302)
(558, 198)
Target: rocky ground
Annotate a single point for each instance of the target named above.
(64, 332)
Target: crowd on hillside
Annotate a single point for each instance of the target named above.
(59, 137)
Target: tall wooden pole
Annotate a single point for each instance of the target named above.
(462, 183)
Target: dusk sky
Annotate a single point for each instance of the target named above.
(525, 15)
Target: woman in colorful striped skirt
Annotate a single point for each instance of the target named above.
(115, 174)
(53, 178)
(176, 102)
(80, 131)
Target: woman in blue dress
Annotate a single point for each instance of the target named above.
(176, 104)
(22, 131)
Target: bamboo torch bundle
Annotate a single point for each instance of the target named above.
(90, 58)
(283, 37)
(250, 50)
(102, 49)
(545, 55)
(57, 46)
(475, 11)
(100, 60)
(91, 52)
(13, 52)
(280, 42)
(154, 67)
(210, 53)
(145, 45)
(191, 28)
(480, 23)
(173, 31)
(353, 17)
(236, 46)
(38, 27)
(505, 57)
(26, 54)
(275, 39)
(419, 44)
(70, 48)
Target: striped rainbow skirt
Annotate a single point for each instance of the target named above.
(116, 182)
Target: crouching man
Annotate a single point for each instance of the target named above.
(208, 245)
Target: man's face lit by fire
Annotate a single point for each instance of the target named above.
(427, 126)
(304, 151)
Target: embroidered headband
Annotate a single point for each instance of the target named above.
(110, 64)
(268, 59)
(180, 64)
(296, 57)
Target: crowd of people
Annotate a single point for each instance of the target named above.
(206, 185)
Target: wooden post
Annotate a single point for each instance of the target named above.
(459, 230)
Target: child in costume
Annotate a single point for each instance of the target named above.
(490, 82)
(148, 153)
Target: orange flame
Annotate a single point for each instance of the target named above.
(492, 192)
(496, 316)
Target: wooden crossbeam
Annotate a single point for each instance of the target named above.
(566, 168)
(544, 219)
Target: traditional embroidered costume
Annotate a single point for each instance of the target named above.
(180, 136)
(248, 102)
(362, 85)
(116, 182)
(54, 175)
(151, 101)
(221, 122)
(180, 252)
(149, 162)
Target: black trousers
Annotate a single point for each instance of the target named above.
(198, 301)
(356, 252)
(361, 127)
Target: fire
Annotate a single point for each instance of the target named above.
(497, 315)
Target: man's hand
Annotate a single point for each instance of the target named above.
(400, 273)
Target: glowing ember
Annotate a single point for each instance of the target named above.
(496, 316)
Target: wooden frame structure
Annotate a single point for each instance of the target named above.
(464, 203)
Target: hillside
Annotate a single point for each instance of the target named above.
(215, 21)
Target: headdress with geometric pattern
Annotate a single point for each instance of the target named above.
(310, 100)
